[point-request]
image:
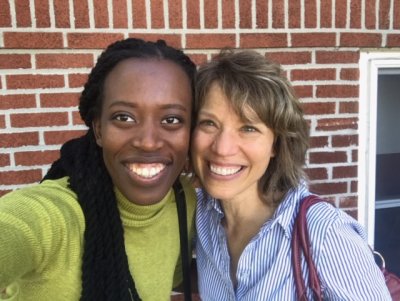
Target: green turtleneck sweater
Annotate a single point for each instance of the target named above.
(41, 243)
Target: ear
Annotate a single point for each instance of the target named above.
(96, 124)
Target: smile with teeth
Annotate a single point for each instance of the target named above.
(224, 171)
(146, 170)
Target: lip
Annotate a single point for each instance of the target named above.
(224, 170)
(147, 170)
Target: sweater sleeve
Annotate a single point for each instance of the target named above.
(34, 224)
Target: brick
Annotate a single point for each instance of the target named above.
(316, 173)
(344, 140)
(201, 41)
(313, 39)
(198, 59)
(17, 101)
(294, 14)
(38, 119)
(369, 11)
(60, 137)
(336, 124)
(2, 122)
(354, 156)
(4, 160)
(175, 14)
(77, 80)
(36, 157)
(193, 14)
(228, 14)
(262, 13)
(353, 213)
(326, 14)
(318, 141)
(328, 157)
(20, 177)
(348, 202)
(38, 81)
(329, 188)
(310, 10)
(278, 13)
(303, 91)
(245, 19)
(81, 13)
(92, 40)
(19, 139)
(348, 107)
(59, 100)
(337, 57)
(393, 40)
(384, 14)
(76, 119)
(4, 192)
(319, 108)
(100, 13)
(210, 14)
(354, 186)
(139, 14)
(33, 40)
(360, 39)
(61, 13)
(350, 74)
(342, 172)
(157, 14)
(15, 61)
(313, 74)
(23, 13)
(340, 13)
(5, 15)
(42, 13)
(265, 40)
(355, 13)
(64, 60)
(120, 16)
(174, 40)
(396, 15)
(337, 91)
(290, 58)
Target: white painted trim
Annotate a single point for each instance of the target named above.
(370, 64)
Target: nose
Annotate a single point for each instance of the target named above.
(147, 137)
(225, 143)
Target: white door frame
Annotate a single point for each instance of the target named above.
(370, 63)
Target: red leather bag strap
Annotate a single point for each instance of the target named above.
(301, 244)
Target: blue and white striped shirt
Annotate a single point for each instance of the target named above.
(343, 259)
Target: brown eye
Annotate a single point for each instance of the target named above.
(171, 120)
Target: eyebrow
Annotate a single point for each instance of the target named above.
(134, 105)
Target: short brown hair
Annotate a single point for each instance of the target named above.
(248, 79)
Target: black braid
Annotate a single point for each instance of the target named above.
(105, 269)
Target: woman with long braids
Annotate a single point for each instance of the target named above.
(109, 220)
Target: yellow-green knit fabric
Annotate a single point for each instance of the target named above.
(41, 243)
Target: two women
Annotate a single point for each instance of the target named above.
(248, 151)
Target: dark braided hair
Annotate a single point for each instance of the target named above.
(105, 270)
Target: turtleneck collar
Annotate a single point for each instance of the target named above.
(139, 215)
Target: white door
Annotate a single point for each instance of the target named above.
(379, 153)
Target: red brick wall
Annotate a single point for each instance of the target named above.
(47, 48)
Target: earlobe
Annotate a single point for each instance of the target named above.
(97, 132)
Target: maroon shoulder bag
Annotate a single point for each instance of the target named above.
(301, 244)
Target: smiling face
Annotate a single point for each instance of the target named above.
(229, 154)
(144, 127)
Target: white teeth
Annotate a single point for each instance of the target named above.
(146, 171)
(224, 171)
